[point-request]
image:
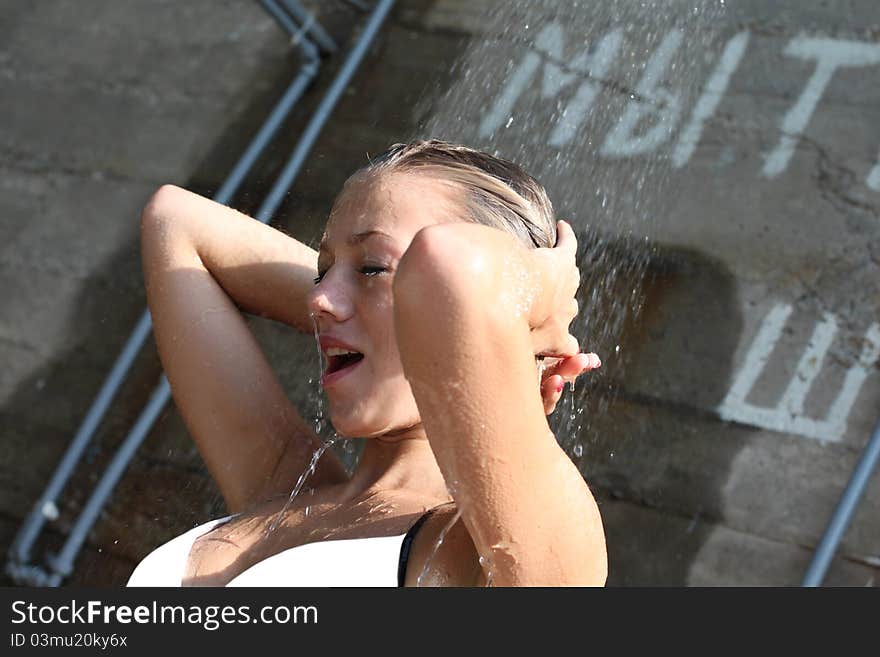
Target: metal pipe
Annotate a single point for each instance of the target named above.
(307, 73)
(310, 25)
(282, 13)
(843, 513)
(46, 506)
(357, 4)
(280, 112)
(298, 36)
(62, 564)
(283, 19)
(323, 111)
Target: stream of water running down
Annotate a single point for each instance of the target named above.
(319, 452)
(426, 568)
(319, 415)
(299, 484)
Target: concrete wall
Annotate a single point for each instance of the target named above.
(104, 101)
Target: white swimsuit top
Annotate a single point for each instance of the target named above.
(375, 561)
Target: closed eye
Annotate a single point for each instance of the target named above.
(366, 271)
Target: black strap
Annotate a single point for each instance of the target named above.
(407, 545)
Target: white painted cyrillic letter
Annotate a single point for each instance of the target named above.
(549, 50)
(788, 415)
(661, 103)
(830, 54)
(709, 99)
(596, 68)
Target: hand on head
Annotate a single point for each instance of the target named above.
(560, 276)
(557, 278)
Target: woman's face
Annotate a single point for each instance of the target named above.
(370, 227)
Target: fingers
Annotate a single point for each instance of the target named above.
(551, 392)
(573, 366)
(553, 345)
(565, 237)
(562, 371)
(567, 243)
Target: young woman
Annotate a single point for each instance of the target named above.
(439, 279)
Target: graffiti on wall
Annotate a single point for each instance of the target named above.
(580, 75)
(788, 414)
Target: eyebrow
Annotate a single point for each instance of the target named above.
(357, 238)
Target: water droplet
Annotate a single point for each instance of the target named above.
(578, 450)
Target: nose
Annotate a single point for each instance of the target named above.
(329, 300)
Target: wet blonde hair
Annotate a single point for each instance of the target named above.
(497, 192)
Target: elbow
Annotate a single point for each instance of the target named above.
(462, 271)
(441, 264)
(600, 567)
(596, 548)
(154, 233)
(157, 206)
(418, 265)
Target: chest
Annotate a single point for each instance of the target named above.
(249, 539)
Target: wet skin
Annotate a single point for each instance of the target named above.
(446, 391)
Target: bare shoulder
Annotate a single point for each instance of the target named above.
(442, 553)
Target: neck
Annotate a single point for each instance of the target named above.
(400, 461)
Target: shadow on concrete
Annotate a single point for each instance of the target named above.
(49, 405)
(643, 440)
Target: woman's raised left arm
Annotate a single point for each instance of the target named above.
(472, 308)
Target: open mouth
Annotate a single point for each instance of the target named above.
(336, 362)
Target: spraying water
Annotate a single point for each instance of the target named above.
(587, 96)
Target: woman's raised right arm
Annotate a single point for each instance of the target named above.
(204, 263)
